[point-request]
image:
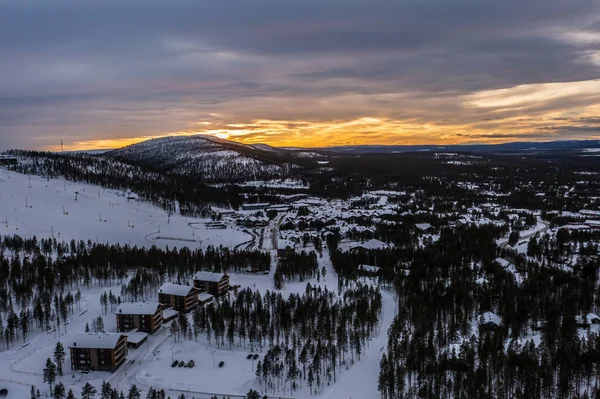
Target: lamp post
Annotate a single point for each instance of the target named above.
(213, 355)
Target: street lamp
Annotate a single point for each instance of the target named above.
(213, 355)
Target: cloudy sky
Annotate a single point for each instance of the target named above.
(105, 73)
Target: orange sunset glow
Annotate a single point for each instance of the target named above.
(300, 74)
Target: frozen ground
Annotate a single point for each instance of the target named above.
(30, 206)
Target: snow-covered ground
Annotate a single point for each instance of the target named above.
(30, 206)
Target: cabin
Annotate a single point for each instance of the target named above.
(98, 352)
(215, 225)
(369, 245)
(489, 321)
(182, 298)
(255, 207)
(143, 316)
(216, 284)
(368, 270)
(283, 246)
(6, 160)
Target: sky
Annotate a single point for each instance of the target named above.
(107, 73)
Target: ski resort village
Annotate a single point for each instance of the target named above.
(199, 268)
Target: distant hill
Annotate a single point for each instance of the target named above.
(208, 158)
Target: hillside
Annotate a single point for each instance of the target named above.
(67, 210)
(208, 159)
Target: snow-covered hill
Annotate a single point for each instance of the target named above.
(208, 158)
(33, 206)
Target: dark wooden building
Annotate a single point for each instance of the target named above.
(98, 352)
(142, 316)
(180, 297)
(216, 284)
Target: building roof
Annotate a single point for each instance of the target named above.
(138, 308)
(97, 341)
(369, 268)
(371, 244)
(135, 336)
(209, 276)
(284, 244)
(175, 289)
(502, 262)
(491, 318)
(204, 296)
(423, 226)
(170, 312)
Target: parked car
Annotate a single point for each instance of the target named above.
(249, 356)
(175, 363)
(190, 364)
(181, 363)
(221, 363)
(255, 356)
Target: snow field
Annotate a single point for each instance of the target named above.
(31, 205)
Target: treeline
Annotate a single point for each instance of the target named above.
(294, 266)
(40, 279)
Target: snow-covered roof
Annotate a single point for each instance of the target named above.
(135, 337)
(283, 244)
(423, 226)
(490, 317)
(502, 262)
(170, 312)
(99, 341)
(576, 226)
(204, 296)
(209, 276)
(138, 308)
(369, 268)
(371, 244)
(174, 289)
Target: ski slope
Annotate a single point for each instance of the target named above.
(32, 206)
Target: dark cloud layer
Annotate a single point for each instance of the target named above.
(103, 69)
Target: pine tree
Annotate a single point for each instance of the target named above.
(59, 357)
(134, 393)
(59, 391)
(105, 390)
(49, 373)
(88, 391)
(252, 394)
